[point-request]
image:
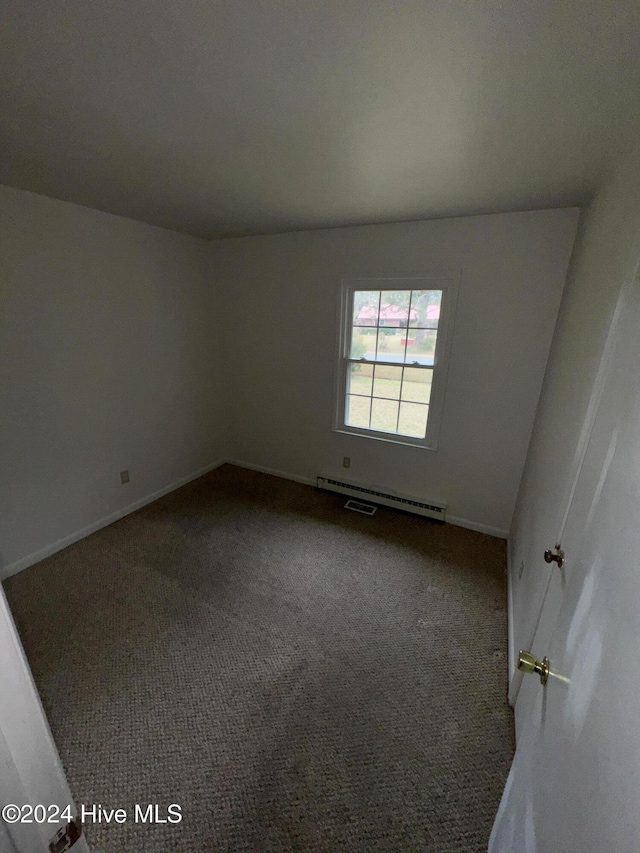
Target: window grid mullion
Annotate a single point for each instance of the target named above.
(406, 344)
(377, 327)
(373, 373)
(406, 331)
(399, 400)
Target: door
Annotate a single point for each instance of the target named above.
(575, 781)
(561, 507)
(31, 772)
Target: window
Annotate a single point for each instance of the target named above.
(393, 349)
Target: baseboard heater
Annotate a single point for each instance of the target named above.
(430, 509)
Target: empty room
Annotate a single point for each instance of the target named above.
(320, 432)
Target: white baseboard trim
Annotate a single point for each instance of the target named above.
(58, 545)
(511, 642)
(284, 475)
(479, 528)
(48, 550)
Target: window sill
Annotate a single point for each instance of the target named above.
(387, 438)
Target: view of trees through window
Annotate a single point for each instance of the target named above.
(391, 351)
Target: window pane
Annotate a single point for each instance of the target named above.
(384, 415)
(360, 379)
(421, 346)
(365, 307)
(357, 411)
(390, 346)
(416, 385)
(363, 343)
(425, 308)
(413, 419)
(394, 309)
(387, 382)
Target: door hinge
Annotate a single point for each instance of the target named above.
(66, 837)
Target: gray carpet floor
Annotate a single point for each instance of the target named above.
(296, 676)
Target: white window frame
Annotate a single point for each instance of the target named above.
(448, 284)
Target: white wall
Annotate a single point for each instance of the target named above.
(605, 258)
(280, 297)
(110, 356)
(112, 353)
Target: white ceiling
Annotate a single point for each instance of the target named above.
(225, 117)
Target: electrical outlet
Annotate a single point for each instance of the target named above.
(124, 477)
(346, 462)
(521, 569)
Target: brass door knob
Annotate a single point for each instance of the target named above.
(527, 663)
(557, 557)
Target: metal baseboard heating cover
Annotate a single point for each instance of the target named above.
(428, 509)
